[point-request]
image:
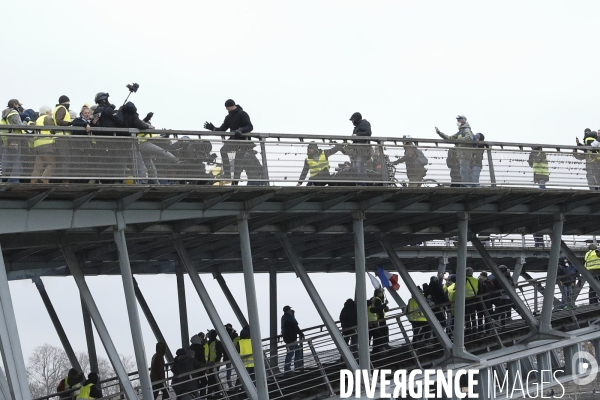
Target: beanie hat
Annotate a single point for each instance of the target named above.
(63, 99)
(469, 271)
(229, 103)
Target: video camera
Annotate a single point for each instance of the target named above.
(133, 87)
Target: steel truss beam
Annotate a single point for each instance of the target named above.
(64, 340)
(90, 304)
(183, 316)
(336, 336)
(232, 302)
(364, 356)
(215, 319)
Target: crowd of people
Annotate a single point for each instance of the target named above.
(43, 154)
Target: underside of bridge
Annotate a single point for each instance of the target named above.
(82, 230)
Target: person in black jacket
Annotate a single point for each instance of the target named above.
(349, 321)
(361, 153)
(148, 151)
(291, 332)
(238, 123)
(91, 384)
(183, 382)
(436, 293)
(233, 335)
(112, 156)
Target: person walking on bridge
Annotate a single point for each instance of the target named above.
(291, 332)
(464, 154)
(349, 321)
(157, 371)
(592, 263)
(72, 381)
(11, 151)
(361, 153)
(90, 388)
(317, 163)
(539, 162)
(245, 348)
(378, 307)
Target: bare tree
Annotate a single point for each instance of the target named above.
(46, 367)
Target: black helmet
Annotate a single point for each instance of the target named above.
(101, 96)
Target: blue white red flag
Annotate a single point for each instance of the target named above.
(387, 279)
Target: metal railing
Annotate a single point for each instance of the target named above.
(493, 324)
(278, 160)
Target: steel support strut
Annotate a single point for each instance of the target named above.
(232, 302)
(132, 311)
(4, 388)
(436, 327)
(89, 337)
(273, 359)
(10, 345)
(337, 337)
(215, 319)
(90, 304)
(151, 321)
(548, 305)
(183, 317)
(361, 293)
(458, 350)
(255, 335)
(64, 340)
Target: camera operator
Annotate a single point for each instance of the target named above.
(111, 155)
(238, 122)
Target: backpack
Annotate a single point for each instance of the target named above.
(421, 158)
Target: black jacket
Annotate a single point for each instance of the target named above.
(198, 352)
(232, 335)
(435, 290)
(131, 118)
(182, 365)
(237, 119)
(348, 316)
(362, 129)
(95, 391)
(79, 121)
(109, 118)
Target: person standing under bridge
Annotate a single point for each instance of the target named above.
(379, 306)
(417, 320)
(592, 263)
(72, 381)
(349, 321)
(291, 332)
(90, 388)
(245, 345)
(157, 371)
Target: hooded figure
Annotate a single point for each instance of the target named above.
(157, 370)
(73, 380)
(183, 381)
(348, 316)
(90, 388)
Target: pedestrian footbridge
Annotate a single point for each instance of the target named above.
(92, 221)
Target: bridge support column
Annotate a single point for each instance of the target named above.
(151, 321)
(548, 305)
(485, 385)
(89, 337)
(274, 360)
(216, 321)
(436, 327)
(132, 310)
(364, 357)
(341, 345)
(183, 317)
(64, 340)
(544, 366)
(522, 309)
(515, 374)
(90, 304)
(459, 350)
(257, 352)
(231, 300)
(572, 368)
(10, 345)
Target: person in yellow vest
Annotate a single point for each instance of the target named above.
(72, 381)
(43, 145)
(592, 263)
(590, 156)
(61, 117)
(539, 162)
(245, 348)
(213, 353)
(472, 304)
(379, 306)
(12, 167)
(90, 388)
(417, 320)
(317, 163)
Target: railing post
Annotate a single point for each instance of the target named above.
(320, 366)
(491, 166)
(263, 154)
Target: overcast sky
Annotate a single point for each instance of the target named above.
(520, 71)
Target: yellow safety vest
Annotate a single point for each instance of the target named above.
(42, 140)
(4, 121)
(541, 168)
(146, 135)
(372, 317)
(246, 352)
(472, 286)
(317, 166)
(210, 351)
(235, 341)
(84, 393)
(592, 261)
(67, 119)
(414, 312)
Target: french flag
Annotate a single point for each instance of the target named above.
(387, 279)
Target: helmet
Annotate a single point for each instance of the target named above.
(101, 96)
